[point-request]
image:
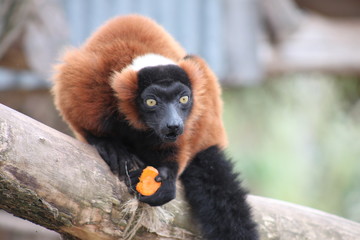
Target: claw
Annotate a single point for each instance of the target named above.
(132, 178)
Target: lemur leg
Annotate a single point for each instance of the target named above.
(217, 200)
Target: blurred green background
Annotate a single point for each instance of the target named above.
(296, 138)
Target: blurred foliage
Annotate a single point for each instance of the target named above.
(297, 138)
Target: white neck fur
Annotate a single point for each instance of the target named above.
(150, 60)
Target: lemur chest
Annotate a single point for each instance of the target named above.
(148, 148)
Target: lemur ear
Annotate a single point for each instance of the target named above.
(125, 86)
(199, 73)
(196, 69)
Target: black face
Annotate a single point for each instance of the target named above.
(165, 105)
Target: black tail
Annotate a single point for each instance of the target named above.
(217, 200)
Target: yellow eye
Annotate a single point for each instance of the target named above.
(150, 102)
(184, 99)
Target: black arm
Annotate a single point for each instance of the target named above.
(119, 159)
(216, 198)
(129, 168)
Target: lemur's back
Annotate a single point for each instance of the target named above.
(132, 36)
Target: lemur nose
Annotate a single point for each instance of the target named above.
(173, 127)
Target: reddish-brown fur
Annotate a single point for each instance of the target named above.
(92, 79)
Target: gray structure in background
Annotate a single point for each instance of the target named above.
(241, 22)
(222, 32)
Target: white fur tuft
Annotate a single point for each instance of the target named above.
(150, 60)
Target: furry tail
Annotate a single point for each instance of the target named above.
(217, 200)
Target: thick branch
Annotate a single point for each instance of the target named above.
(62, 184)
(55, 181)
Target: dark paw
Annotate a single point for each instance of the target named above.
(164, 194)
(119, 159)
(132, 179)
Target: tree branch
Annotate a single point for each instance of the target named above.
(57, 182)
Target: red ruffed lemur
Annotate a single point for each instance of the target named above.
(133, 93)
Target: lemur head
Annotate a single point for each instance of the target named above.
(163, 98)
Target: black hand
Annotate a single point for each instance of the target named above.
(164, 194)
(132, 179)
(115, 155)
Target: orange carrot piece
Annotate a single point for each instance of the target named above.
(147, 185)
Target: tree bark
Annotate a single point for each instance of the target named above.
(62, 184)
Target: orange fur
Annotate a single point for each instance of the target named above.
(82, 90)
(204, 127)
(94, 81)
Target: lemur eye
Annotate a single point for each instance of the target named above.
(184, 99)
(150, 102)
